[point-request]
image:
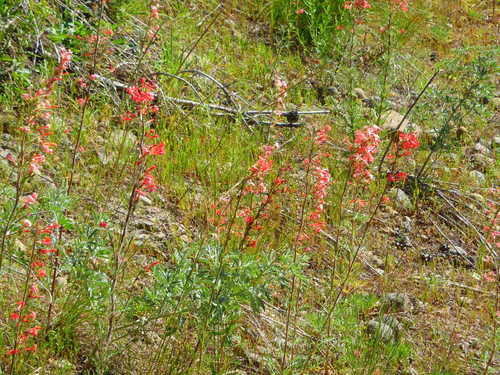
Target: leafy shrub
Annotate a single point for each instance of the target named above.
(308, 23)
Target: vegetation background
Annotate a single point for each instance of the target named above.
(249, 187)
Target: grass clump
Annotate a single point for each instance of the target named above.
(262, 188)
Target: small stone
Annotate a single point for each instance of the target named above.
(395, 324)
(44, 180)
(390, 211)
(482, 160)
(145, 224)
(478, 177)
(333, 91)
(482, 149)
(146, 200)
(374, 259)
(369, 102)
(495, 142)
(18, 245)
(407, 224)
(61, 282)
(380, 330)
(478, 197)
(392, 119)
(403, 200)
(59, 366)
(119, 136)
(360, 93)
(396, 302)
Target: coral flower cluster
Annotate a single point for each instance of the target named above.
(24, 316)
(364, 149)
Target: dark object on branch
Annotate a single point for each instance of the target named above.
(249, 117)
(292, 116)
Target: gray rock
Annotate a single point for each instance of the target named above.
(396, 302)
(403, 200)
(380, 330)
(118, 136)
(360, 93)
(407, 224)
(44, 180)
(478, 197)
(396, 325)
(146, 200)
(482, 161)
(480, 148)
(478, 177)
(392, 119)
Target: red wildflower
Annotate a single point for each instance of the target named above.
(158, 149)
(128, 116)
(403, 4)
(155, 13)
(41, 273)
(29, 317)
(46, 241)
(143, 93)
(366, 142)
(300, 11)
(33, 331)
(14, 316)
(31, 348)
(30, 199)
(149, 267)
(322, 135)
(49, 229)
(13, 352)
(409, 140)
(362, 4)
(400, 176)
(151, 134)
(48, 147)
(103, 224)
(26, 223)
(33, 291)
(264, 163)
(48, 251)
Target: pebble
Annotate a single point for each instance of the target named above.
(360, 93)
(403, 200)
(478, 177)
(396, 302)
(392, 119)
(380, 330)
(482, 149)
(482, 160)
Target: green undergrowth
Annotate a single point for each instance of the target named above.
(249, 248)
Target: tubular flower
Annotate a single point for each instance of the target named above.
(402, 4)
(366, 142)
(409, 140)
(264, 164)
(142, 93)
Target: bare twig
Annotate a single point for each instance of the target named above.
(219, 84)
